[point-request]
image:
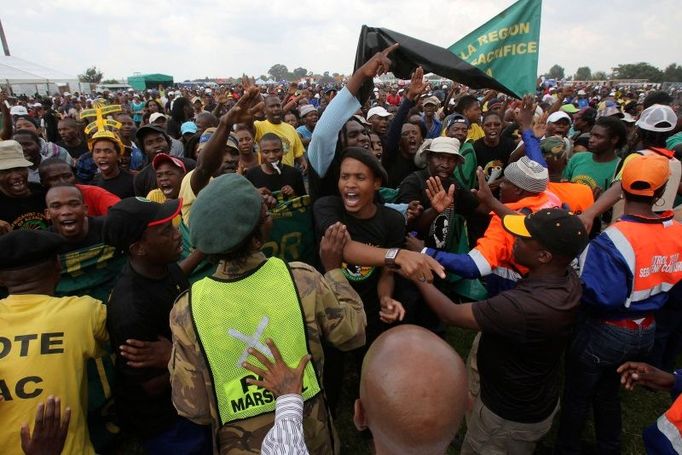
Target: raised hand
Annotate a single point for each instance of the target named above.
(278, 378)
(484, 194)
(417, 84)
(414, 211)
(379, 63)
(440, 199)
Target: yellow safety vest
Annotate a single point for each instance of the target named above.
(231, 316)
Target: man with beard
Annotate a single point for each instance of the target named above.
(153, 140)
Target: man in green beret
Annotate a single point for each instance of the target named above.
(250, 299)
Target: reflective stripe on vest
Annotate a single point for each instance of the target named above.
(652, 253)
(670, 424)
(232, 316)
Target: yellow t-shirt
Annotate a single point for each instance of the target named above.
(157, 195)
(291, 141)
(475, 132)
(44, 343)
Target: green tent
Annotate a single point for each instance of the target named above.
(145, 81)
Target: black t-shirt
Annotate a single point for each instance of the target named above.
(121, 185)
(524, 332)
(491, 157)
(413, 188)
(398, 167)
(139, 308)
(75, 151)
(386, 229)
(274, 182)
(93, 237)
(26, 212)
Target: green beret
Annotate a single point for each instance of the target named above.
(554, 146)
(225, 212)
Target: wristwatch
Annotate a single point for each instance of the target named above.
(389, 259)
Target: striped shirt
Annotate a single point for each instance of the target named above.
(286, 436)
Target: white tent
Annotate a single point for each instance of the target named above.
(25, 77)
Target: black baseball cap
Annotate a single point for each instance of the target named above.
(559, 231)
(26, 248)
(128, 219)
(148, 129)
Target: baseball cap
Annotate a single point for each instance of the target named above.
(377, 110)
(559, 231)
(188, 128)
(431, 100)
(130, 217)
(161, 158)
(155, 116)
(528, 175)
(569, 108)
(581, 92)
(18, 110)
(306, 109)
(12, 155)
(149, 128)
(558, 115)
(27, 247)
(644, 174)
(657, 118)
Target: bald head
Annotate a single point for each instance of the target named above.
(413, 392)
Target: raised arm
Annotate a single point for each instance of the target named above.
(323, 143)
(211, 157)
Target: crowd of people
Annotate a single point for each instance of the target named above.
(198, 270)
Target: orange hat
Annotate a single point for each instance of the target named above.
(644, 174)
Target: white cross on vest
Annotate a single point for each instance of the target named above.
(251, 341)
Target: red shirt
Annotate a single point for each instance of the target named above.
(97, 199)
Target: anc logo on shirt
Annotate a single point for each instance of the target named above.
(493, 168)
(585, 180)
(357, 272)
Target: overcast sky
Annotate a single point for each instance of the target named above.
(199, 38)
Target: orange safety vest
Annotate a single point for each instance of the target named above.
(493, 251)
(652, 252)
(670, 425)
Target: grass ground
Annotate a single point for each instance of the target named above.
(640, 409)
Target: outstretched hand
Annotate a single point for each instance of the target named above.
(49, 430)
(633, 373)
(440, 199)
(277, 377)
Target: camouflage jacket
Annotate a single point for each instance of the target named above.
(333, 311)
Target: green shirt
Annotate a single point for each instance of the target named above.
(583, 169)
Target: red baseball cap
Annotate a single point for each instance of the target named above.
(161, 158)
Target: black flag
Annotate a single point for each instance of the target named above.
(413, 53)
